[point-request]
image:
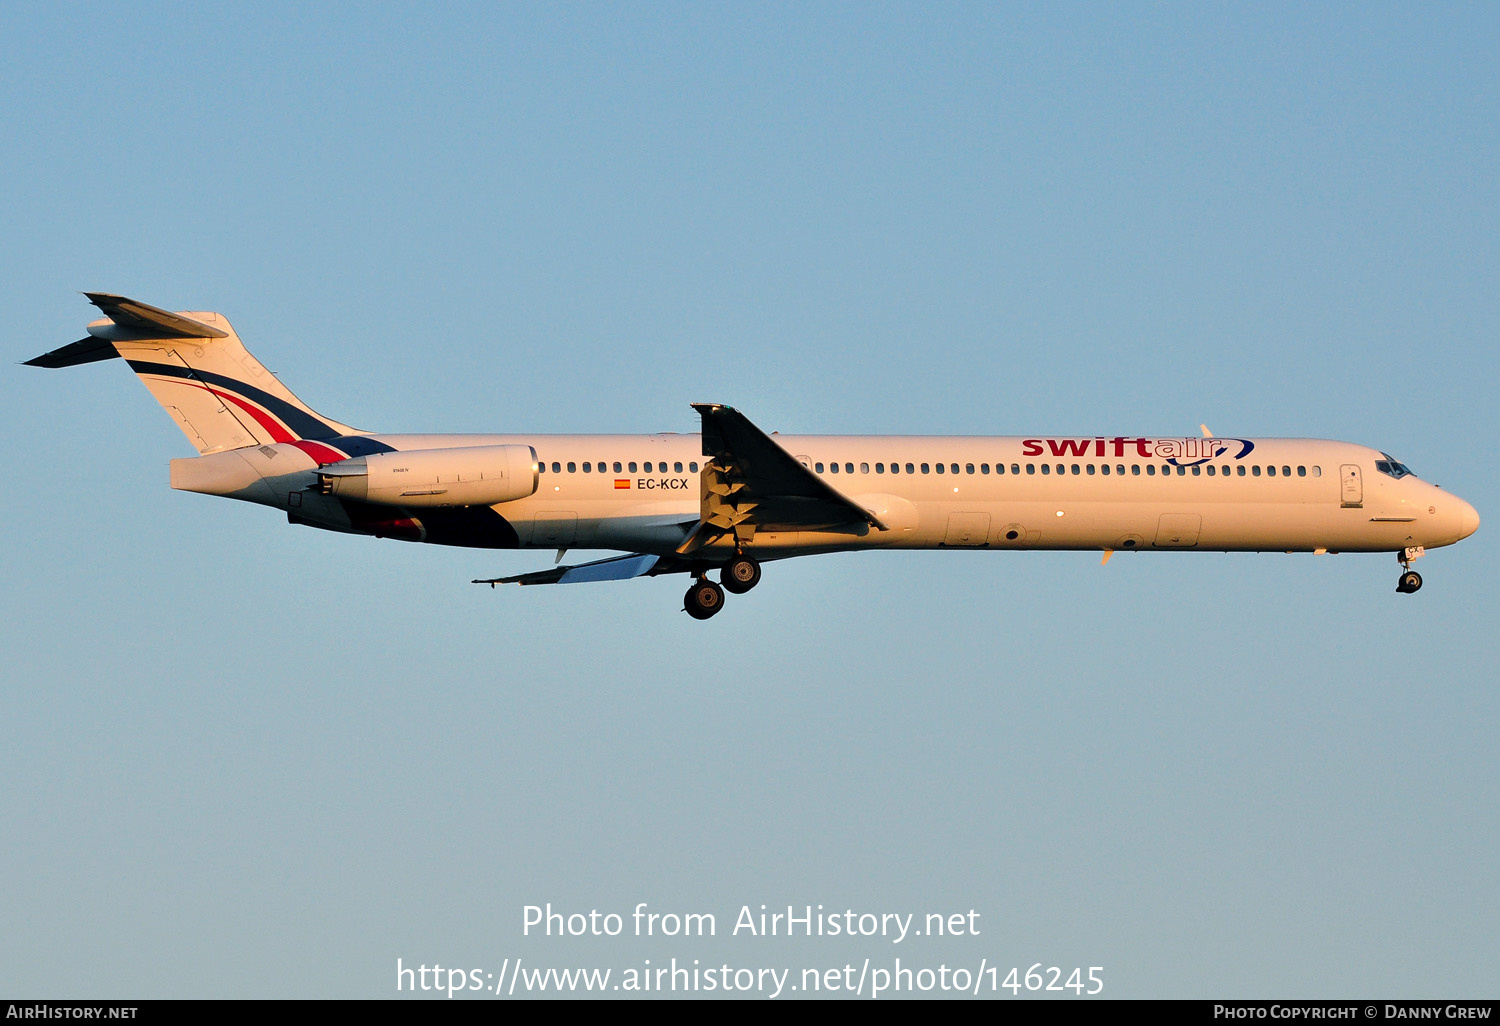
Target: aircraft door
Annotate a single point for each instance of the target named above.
(1353, 491)
(1178, 530)
(554, 530)
(968, 529)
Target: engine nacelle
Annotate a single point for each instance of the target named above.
(480, 475)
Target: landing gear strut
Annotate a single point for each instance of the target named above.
(740, 574)
(703, 599)
(1410, 579)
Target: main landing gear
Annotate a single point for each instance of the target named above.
(740, 575)
(705, 598)
(1410, 579)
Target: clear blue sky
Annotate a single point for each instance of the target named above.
(245, 759)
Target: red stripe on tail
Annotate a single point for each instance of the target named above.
(321, 453)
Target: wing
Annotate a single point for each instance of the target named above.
(751, 483)
(615, 568)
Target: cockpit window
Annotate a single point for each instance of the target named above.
(1391, 467)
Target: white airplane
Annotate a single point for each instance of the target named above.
(733, 497)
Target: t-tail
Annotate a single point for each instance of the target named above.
(194, 364)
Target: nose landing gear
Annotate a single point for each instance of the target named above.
(1410, 579)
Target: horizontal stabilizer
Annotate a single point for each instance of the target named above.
(616, 568)
(150, 321)
(85, 350)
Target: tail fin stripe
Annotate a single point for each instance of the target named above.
(301, 424)
(273, 427)
(358, 445)
(322, 453)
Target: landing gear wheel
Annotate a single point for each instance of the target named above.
(703, 599)
(740, 575)
(1410, 582)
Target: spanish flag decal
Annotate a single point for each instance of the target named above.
(622, 482)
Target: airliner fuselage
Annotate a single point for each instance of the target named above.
(636, 492)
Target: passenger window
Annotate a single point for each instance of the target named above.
(833, 468)
(941, 469)
(1210, 470)
(557, 468)
(632, 467)
(1135, 470)
(864, 468)
(968, 468)
(1075, 470)
(677, 468)
(848, 468)
(818, 467)
(1271, 471)
(880, 468)
(984, 468)
(1286, 471)
(1317, 471)
(1046, 468)
(911, 468)
(1031, 468)
(895, 468)
(572, 468)
(1255, 471)
(1301, 471)
(925, 468)
(693, 468)
(1196, 470)
(1151, 470)
(1120, 469)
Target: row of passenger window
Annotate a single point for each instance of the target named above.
(1103, 469)
(1089, 469)
(603, 466)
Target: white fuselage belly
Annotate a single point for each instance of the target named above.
(1139, 502)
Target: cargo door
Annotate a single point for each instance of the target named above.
(1178, 530)
(554, 530)
(968, 529)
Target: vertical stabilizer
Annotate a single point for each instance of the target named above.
(196, 367)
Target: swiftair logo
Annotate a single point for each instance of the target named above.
(1182, 452)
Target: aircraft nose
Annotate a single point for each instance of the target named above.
(1468, 521)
